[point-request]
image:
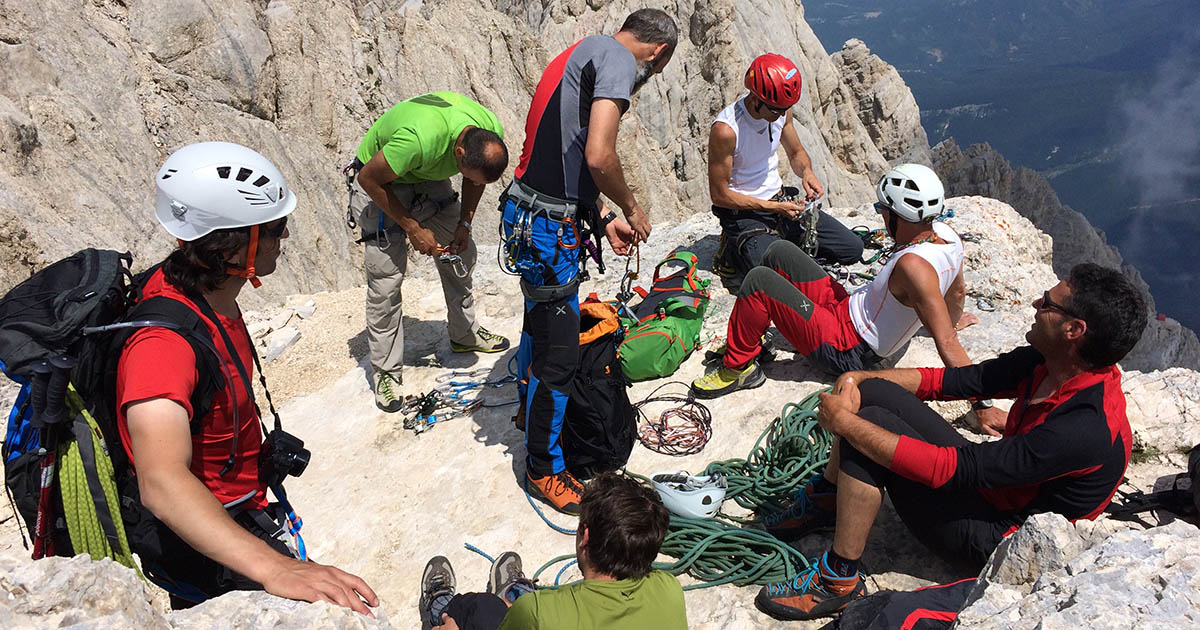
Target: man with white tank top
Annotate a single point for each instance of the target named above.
(921, 285)
(743, 174)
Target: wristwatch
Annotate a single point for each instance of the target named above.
(606, 219)
(980, 405)
(465, 223)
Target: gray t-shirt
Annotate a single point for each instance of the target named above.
(552, 160)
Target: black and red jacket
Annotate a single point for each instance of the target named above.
(1066, 454)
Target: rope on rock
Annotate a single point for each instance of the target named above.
(680, 430)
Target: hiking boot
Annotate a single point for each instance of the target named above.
(812, 511)
(721, 380)
(485, 341)
(387, 392)
(506, 580)
(562, 490)
(437, 589)
(813, 593)
(721, 264)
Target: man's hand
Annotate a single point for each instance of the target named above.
(639, 222)
(423, 239)
(789, 210)
(844, 399)
(812, 186)
(448, 623)
(620, 236)
(459, 244)
(991, 420)
(312, 582)
(965, 320)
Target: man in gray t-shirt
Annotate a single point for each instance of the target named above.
(568, 159)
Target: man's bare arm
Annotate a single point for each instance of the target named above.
(374, 178)
(798, 159)
(722, 143)
(162, 450)
(600, 153)
(914, 283)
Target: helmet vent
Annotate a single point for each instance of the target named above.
(707, 500)
(255, 199)
(169, 173)
(223, 172)
(915, 203)
(244, 174)
(933, 202)
(262, 180)
(911, 185)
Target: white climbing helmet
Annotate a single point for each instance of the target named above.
(688, 496)
(217, 185)
(912, 191)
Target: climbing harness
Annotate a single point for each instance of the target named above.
(683, 429)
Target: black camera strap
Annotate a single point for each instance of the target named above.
(211, 315)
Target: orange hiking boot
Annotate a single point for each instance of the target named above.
(562, 490)
(813, 593)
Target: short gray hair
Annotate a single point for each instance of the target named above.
(652, 26)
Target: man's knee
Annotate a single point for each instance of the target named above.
(760, 279)
(881, 392)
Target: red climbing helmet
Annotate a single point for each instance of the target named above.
(775, 80)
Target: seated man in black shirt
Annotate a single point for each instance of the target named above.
(1065, 446)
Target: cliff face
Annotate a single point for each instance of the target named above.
(980, 170)
(93, 98)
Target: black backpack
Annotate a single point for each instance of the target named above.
(600, 424)
(61, 335)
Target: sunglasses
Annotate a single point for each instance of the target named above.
(778, 111)
(274, 230)
(1048, 303)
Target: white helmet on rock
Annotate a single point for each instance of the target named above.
(688, 496)
(912, 191)
(218, 185)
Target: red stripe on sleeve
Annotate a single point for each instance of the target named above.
(931, 383)
(923, 462)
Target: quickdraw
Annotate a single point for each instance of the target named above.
(633, 268)
(350, 172)
(446, 257)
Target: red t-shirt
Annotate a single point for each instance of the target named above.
(158, 363)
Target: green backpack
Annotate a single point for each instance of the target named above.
(669, 318)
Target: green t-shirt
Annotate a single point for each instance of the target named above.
(417, 136)
(654, 602)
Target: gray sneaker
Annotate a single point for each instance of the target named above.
(437, 589)
(506, 579)
(485, 341)
(387, 392)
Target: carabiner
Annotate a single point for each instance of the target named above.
(574, 230)
(458, 374)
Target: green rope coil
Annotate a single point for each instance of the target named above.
(79, 508)
(787, 453)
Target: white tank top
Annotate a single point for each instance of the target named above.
(755, 163)
(882, 321)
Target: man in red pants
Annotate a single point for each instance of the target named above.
(921, 285)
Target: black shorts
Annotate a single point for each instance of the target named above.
(957, 524)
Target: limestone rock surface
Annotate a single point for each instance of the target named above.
(1052, 574)
(886, 106)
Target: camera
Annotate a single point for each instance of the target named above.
(283, 454)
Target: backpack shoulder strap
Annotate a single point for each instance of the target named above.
(165, 312)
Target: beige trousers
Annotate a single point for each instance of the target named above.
(436, 207)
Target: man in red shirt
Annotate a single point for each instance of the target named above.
(198, 473)
(1064, 449)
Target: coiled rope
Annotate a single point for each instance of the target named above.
(680, 430)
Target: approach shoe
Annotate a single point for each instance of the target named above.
(507, 580)
(721, 380)
(812, 511)
(437, 589)
(562, 490)
(813, 593)
(485, 341)
(387, 392)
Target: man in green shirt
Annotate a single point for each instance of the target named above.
(402, 193)
(621, 528)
